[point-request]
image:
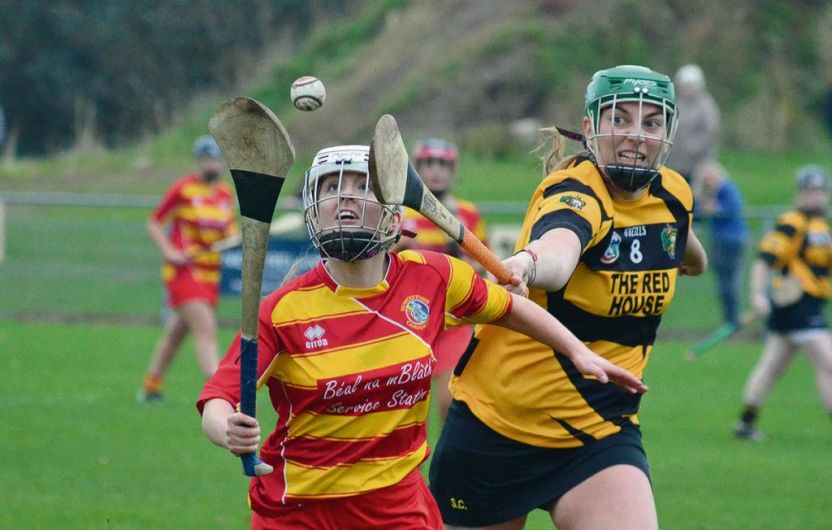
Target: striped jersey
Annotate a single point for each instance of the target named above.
(431, 237)
(614, 301)
(200, 214)
(800, 246)
(348, 371)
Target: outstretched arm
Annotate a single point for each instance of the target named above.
(557, 253)
(530, 319)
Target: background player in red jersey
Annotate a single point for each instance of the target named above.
(346, 351)
(436, 160)
(199, 209)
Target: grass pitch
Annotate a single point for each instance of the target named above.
(77, 451)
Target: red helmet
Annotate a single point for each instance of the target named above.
(436, 149)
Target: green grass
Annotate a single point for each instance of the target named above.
(102, 461)
(78, 452)
(83, 263)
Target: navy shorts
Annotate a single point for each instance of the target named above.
(806, 313)
(481, 478)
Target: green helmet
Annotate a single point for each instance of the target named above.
(628, 83)
(623, 84)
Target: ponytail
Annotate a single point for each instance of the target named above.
(553, 160)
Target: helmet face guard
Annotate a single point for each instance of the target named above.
(436, 149)
(813, 189)
(353, 232)
(812, 176)
(656, 102)
(206, 147)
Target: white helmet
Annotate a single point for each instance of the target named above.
(353, 241)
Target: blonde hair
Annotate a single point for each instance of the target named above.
(553, 159)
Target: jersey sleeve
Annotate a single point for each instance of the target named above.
(225, 383)
(572, 205)
(168, 203)
(471, 299)
(782, 243)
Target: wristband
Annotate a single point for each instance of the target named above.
(533, 272)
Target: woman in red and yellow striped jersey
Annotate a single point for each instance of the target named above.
(346, 351)
(436, 160)
(199, 209)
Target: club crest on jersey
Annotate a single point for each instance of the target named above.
(669, 234)
(573, 202)
(315, 337)
(612, 252)
(417, 311)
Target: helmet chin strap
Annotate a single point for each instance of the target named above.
(627, 178)
(210, 176)
(630, 178)
(439, 194)
(349, 245)
(814, 212)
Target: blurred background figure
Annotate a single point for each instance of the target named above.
(697, 135)
(720, 202)
(199, 209)
(827, 111)
(2, 127)
(794, 262)
(436, 160)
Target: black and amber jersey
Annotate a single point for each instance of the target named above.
(800, 246)
(623, 283)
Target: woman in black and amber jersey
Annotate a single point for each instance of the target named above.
(794, 267)
(604, 238)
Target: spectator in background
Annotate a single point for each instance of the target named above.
(436, 161)
(827, 111)
(697, 133)
(200, 211)
(794, 267)
(720, 201)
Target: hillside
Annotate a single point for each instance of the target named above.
(497, 62)
(469, 70)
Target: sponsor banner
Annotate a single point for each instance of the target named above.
(281, 254)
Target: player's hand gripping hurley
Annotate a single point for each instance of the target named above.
(395, 181)
(259, 152)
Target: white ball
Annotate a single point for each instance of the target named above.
(308, 93)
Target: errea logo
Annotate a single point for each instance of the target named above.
(315, 337)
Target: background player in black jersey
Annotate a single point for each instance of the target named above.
(793, 268)
(604, 239)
